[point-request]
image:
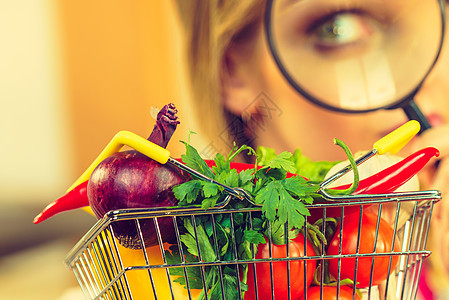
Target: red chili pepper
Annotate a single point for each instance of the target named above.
(391, 178)
(385, 181)
(76, 198)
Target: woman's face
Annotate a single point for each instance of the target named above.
(281, 118)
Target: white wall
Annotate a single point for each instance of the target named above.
(34, 131)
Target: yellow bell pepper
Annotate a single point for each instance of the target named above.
(138, 280)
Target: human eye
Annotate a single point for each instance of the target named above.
(333, 29)
(343, 32)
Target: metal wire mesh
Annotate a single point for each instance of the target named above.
(107, 270)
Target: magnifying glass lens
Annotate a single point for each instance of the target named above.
(356, 55)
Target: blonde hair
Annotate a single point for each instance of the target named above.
(211, 27)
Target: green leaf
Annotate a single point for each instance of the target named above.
(246, 176)
(266, 193)
(292, 210)
(192, 241)
(193, 159)
(172, 258)
(221, 164)
(221, 177)
(230, 282)
(265, 155)
(307, 199)
(257, 223)
(239, 219)
(313, 170)
(270, 173)
(210, 189)
(269, 197)
(254, 237)
(296, 180)
(224, 238)
(245, 250)
(206, 248)
(226, 221)
(278, 233)
(283, 161)
(193, 273)
(188, 192)
(232, 179)
(209, 202)
(299, 186)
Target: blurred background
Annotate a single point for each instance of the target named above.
(72, 74)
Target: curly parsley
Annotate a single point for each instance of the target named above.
(234, 236)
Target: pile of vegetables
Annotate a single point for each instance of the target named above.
(283, 228)
(285, 219)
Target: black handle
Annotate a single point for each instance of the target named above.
(414, 113)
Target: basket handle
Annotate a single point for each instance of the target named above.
(397, 139)
(392, 142)
(125, 138)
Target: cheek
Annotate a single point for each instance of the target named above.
(295, 111)
(433, 96)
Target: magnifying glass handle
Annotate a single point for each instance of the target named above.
(414, 113)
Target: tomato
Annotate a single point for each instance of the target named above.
(296, 268)
(330, 293)
(366, 245)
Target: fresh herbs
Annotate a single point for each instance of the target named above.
(208, 239)
(207, 194)
(281, 198)
(225, 238)
(313, 170)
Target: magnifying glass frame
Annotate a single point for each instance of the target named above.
(402, 102)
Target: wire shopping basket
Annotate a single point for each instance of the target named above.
(107, 270)
(208, 254)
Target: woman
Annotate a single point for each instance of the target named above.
(231, 69)
(239, 89)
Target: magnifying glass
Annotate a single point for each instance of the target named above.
(357, 56)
